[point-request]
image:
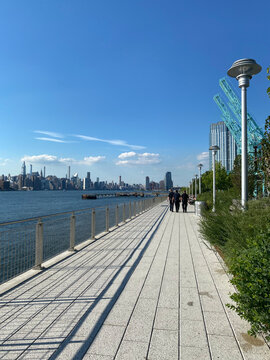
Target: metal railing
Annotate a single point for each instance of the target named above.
(26, 244)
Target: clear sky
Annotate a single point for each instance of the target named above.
(121, 87)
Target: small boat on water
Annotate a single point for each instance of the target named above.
(89, 197)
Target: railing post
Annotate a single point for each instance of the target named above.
(107, 219)
(129, 210)
(134, 209)
(124, 212)
(116, 216)
(93, 223)
(72, 232)
(39, 245)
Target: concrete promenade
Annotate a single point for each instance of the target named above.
(150, 289)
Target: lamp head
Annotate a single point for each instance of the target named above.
(247, 67)
(214, 148)
(200, 166)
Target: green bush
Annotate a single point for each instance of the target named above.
(244, 240)
(251, 277)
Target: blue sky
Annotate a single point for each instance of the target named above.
(121, 87)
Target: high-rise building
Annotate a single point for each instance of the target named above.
(31, 169)
(147, 183)
(120, 181)
(221, 136)
(168, 180)
(69, 173)
(44, 172)
(162, 185)
(88, 175)
(23, 169)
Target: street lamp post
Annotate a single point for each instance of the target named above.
(196, 176)
(192, 186)
(200, 178)
(243, 70)
(214, 149)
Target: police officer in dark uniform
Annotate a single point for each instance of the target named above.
(184, 201)
(177, 200)
(171, 199)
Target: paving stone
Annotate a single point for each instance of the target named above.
(119, 315)
(217, 324)
(166, 319)
(132, 350)
(194, 353)
(192, 333)
(224, 348)
(139, 330)
(164, 345)
(107, 340)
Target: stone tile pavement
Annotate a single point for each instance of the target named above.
(151, 289)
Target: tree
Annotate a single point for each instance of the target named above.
(223, 181)
(236, 175)
(265, 160)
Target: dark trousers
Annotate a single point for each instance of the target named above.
(184, 206)
(177, 204)
(171, 205)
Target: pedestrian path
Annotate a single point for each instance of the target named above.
(151, 289)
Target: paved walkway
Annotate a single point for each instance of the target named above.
(151, 289)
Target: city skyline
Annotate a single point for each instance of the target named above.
(34, 180)
(127, 89)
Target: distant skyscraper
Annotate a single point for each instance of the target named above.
(23, 169)
(88, 175)
(221, 136)
(168, 180)
(120, 181)
(31, 169)
(44, 172)
(69, 172)
(147, 183)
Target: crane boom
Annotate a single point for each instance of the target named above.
(254, 132)
(232, 125)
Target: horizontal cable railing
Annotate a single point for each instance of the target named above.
(26, 244)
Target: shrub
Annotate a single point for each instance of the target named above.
(244, 240)
(251, 277)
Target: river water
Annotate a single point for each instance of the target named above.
(17, 205)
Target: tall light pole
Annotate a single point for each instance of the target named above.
(192, 186)
(214, 149)
(196, 176)
(200, 178)
(243, 70)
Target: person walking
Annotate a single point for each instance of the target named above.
(171, 199)
(184, 201)
(177, 200)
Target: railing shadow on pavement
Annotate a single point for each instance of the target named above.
(90, 338)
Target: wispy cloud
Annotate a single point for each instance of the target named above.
(54, 160)
(49, 133)
(138, 159)
(54, 140)
(112, 142)
(203, 156)
(4, 162)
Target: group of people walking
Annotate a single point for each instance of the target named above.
(175, 198)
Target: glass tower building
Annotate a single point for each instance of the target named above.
(221, 136)
(168, 180)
